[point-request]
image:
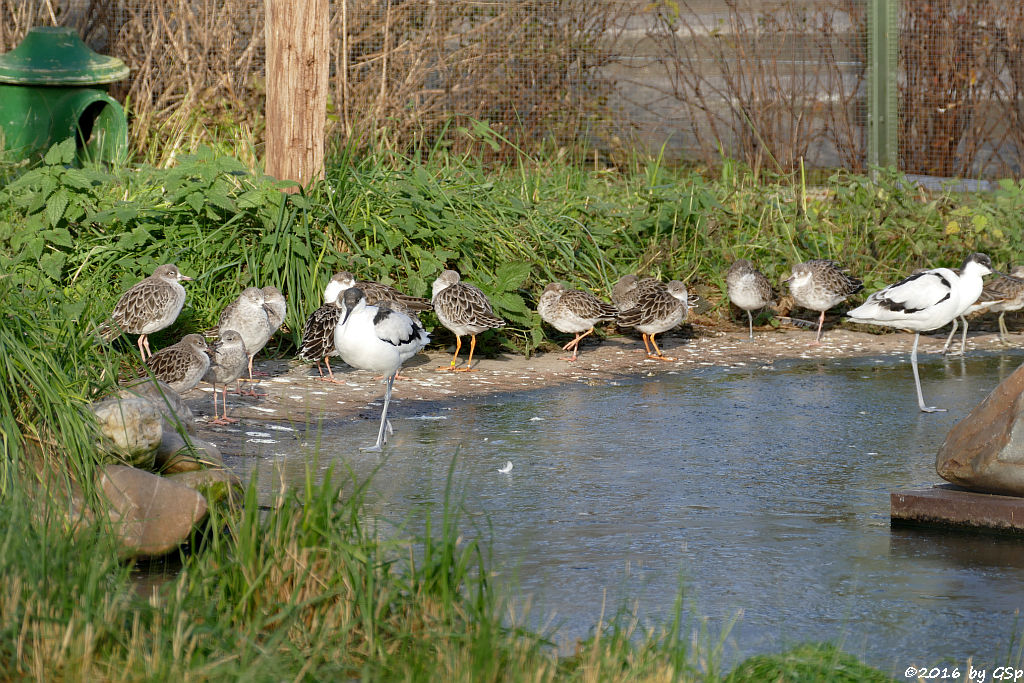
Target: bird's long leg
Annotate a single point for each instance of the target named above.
(455, 356)
(658, 351)
(224, 405)
(251, 392)
(575, 344)
(750, 323)
(949, 339)
(330, 373)
(469, 362)
(144, 346)
(381, 438)
(963, 336)
(646, 345)
(821, 322)
(571, 344)
(1003, 332)
(917, 380)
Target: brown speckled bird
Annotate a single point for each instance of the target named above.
(820, 284)
(228, 360)
(463, 309)
(626, 290)
(318, 332)
(181, 366)
(573, 311)
(376, 292)
(147, 307)
(658, 310)
(748, 289)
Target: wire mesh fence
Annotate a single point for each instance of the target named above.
(775, 84)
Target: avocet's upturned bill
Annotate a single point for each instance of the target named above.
(925, 301)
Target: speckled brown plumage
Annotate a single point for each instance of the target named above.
(463, 309)
(181, 366)
(820, 284)
(318, 336)
(573, 311)
(658, 310)
(377, 292)
(626, 291)
(748, 289)
(147, 307)
(1010, 288)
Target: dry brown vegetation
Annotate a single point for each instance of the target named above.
(399, 70)
(774, 84)
(767, 82)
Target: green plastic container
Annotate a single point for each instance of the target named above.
(52, 87)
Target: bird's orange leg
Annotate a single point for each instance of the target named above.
(659, 356)
(251, 392)
(224, 404)
(144, 346)
(575, 344)
(646, 345)
(469, 362)
(330, 372)
(224, 419)
(451, 367)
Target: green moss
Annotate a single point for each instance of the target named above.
(806, 663)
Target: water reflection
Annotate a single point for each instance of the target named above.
(765, 489)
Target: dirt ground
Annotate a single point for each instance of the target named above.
(295, 393)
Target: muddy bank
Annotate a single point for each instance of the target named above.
(295, 395)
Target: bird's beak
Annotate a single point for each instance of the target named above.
(184, 277)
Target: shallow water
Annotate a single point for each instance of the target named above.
(762, 490)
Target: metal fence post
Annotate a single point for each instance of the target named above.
(883, 45)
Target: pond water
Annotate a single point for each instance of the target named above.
(762, 492)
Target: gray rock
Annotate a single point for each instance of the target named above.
(133, 426)
(985, 450)
(217, 485)
(174, 454)
(167, 401)
(151, 515)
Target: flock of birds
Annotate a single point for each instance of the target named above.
(924, 301)
(372, 326)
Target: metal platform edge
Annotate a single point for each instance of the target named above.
(949, 506)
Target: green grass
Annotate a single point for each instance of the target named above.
(305, 590)
(510, 229)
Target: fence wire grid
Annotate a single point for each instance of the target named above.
(774, 84)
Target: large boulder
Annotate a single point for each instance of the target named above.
(133, 427)
(177, 455)
(216, 485)
(151, 515)
(166, 400)
(985, 450)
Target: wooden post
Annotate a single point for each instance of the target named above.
(298, 59)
